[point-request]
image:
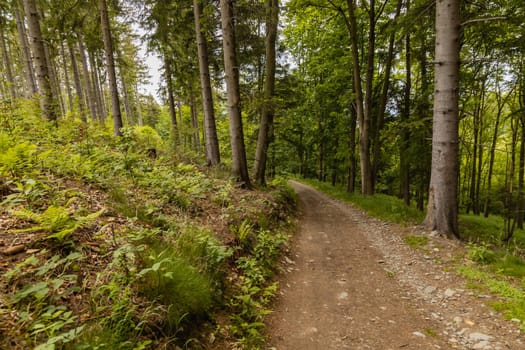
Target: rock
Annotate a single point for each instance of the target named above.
(429, 290)
(458, 320)
(476, 336)
(342, 295)
(482, 345)
(515, 320)
(449, 293)
(419, 334)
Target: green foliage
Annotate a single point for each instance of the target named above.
(38, 304)
(512, 298)
(175, 284)
(58, 221)
(18, 160)
(379, 205)
(416, 242)
(481, 253)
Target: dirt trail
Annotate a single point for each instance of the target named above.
(351, 283)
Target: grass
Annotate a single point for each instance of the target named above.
(379, 205)
(416, 242)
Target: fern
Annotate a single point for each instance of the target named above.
(56, 220)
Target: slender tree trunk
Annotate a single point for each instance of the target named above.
(78, 84)
(364, 120)
(266, 124)
(370, 122)
(210, 131)
(22, 37)
(231, 68)
(66, 76)
(352, 162)
(442, 209)
(171, 101)
(47, 99)
(90, 92)
(492, 155)
(8, 66)
(110, 63)
(194, 113)
(405, 133)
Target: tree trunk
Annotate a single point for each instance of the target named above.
(78, 84)
(110, 63)
(210, 131)
(231, 68)
(364, 120)
(90, 92)
(404, 163)
(30, 74)
(66, 76)
(8, 65)
(442, 210)
(171, 100)
(266, 125)
(352, 166)
(194, 114)
(47, 99)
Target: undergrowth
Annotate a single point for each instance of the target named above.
(122, 250)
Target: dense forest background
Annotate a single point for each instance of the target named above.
(345, 92)
(301, 114)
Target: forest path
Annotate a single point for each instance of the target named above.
(350, 282)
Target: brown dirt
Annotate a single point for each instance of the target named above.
(350, 282)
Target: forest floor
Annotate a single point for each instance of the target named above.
(351, 282)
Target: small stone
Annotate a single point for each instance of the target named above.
(476, 336)
(342, 295)
(458, 320)
(482, 345)
(419, 334)
(449, 293)
(429, 290)
(515, 320)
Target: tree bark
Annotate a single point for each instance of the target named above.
(22, 37)
(352, 163)
(47, 99)
(78, 84)
(231, 68)
(210, 131)
(8, 66)
(364, 120)
(66, 76)
(404, 163)
(171, 100)
(90, 92)
(267, 114)
(110, 63)
(442, 210)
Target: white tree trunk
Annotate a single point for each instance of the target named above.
(442, 212)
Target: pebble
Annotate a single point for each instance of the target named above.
(482, 345)
(476, 336)
(429, 290)
(449, 293)
(419, 334)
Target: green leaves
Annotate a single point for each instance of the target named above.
(56, 220)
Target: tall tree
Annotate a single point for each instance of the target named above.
(210, 130)
(110, 63)
(231, 68)
(22, 37)
(47, 98)
(267, 114)
(442, 210)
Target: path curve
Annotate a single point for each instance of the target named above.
(351, 283)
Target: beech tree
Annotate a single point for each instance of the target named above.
(442, 209)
